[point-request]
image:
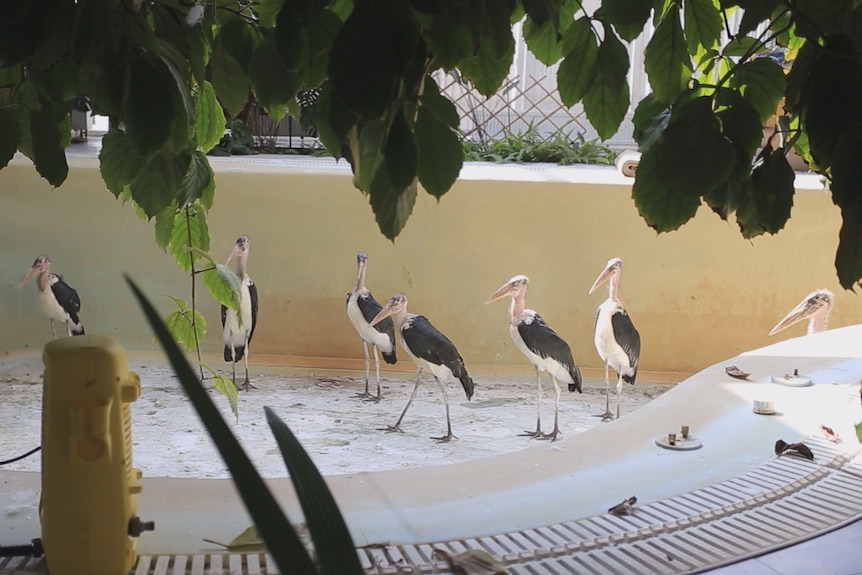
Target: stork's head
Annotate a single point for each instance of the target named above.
(361, 258)
(514, 287)
(815, 305)
(613, 268)
(240, 248)
(395, 306)
(41, 265)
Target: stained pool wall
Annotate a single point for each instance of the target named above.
(697, 295)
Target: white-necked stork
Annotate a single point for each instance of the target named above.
(815, 308)
(58, 300)
(616, 339)
(430, 350)
(545, 349)
(362, 308)
(239, 327)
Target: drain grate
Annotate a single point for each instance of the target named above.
(783, 501)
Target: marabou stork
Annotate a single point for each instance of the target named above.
(815, 308)
(430, 350)
(239, 328)
(362, 308)
(545, 349)
(617, 340)
(58, 300)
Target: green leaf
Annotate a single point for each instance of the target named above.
(762, 81)
(49, 156)
(289, 36)
(401, 153)
(577, 71)
(666, 59)
(196, 181)
(368, 157)
(756, 11)
(158, 180)
(209, 118)
(450, 42)
(267, 10)
(440, 153)
(190, 231)
(772, 190)
(10, 136)
(703, 26)
(165, 225)
(273, 83)
(180, 71)
(859, 431)
(848, 258)
(663, 208)
(224, 286)
(118, 162)
(740, 46)
(740, 123)
(543, 40)
(439, 105)
(627, 16)
(650, 120)
(229, 80)
(391, 207)
(323, 27)
(845, 187)
(693, 155)
(183, 328)
(332, 541)
(281, 540)
(149, 107)
(491, 30)
(608, 99)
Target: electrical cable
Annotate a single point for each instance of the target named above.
(20, 457)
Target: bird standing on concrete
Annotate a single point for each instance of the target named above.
(545, 349)
(362, 308)
(616, 339)
(815, 308)
(239, 327)
(430, 350)
(58, 300)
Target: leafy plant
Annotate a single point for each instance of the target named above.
(236, 141)
(336, 553)
(163, 71)
(530, 146)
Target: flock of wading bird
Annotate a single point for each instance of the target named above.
(616, 339)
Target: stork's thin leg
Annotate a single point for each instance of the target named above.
(233, 365)
(607, 415)
(365, 394)
(448, 437)
(556, 432)
(619, 394)
(397, 426)
(377, 372)
(538, 432)
(68, 329)
(53, 332)
(247, 384)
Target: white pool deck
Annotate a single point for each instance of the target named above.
(577, 477)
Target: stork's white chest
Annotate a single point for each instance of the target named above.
(237, 327)
(606, 343)
(365, 330)
(50, 306)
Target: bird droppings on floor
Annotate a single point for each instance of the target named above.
(342, 433)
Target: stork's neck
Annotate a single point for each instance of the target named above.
(818, 320)
(400, 317)
(242, 263)
(360, 278)
(519, 302)
(614, 287)
(44, 279)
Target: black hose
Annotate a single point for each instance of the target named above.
(32, 549)
(20, 457)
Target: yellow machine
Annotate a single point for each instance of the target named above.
(89, 510)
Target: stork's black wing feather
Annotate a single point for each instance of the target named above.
(542, 340)
(68, 298)
(369, 308)
(629, 339)
(429, 343)
(252, 293)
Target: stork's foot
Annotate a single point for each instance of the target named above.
(246, 386)
(368, 397)
(606, 416)
(534, 434)
(445, 438)
(391, 429)
(550, 436)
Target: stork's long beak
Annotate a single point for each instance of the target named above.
(500, 293)
(30, 273)
(233, 254)
(384, 313)
(801, 312)
(603, 277)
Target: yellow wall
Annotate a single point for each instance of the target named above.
(697, 295)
